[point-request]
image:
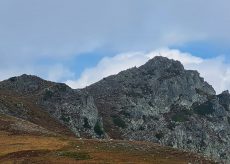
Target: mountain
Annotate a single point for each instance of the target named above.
(40, 101)
(159, 102)
(164, 103)
(31, 132)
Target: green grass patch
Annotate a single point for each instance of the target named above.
(181, 116)
(119, 122)
(75, 155)
(204, 109)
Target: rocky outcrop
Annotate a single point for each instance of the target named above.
(159, 102)
(162, 102)
(72, 108)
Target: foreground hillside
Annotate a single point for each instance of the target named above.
(25, 142)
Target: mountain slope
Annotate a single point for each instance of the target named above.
(25, 108)
(49, 104)
(24, 142)
(159, 102)
(26, 149)
(162, 102)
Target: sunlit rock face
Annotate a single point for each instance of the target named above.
(162, 102)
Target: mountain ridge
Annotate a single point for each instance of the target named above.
(159, 101)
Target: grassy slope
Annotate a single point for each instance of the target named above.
(34, 113)
(44, 147)
(35, 140)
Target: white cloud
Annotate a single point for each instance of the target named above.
(215, 70)
(58, 72)
(57, 28)
(109, 66)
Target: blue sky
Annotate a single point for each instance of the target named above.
(205, 49)
(65, 40)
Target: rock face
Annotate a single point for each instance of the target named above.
(162, 102)
(72, 108)
(159, 102)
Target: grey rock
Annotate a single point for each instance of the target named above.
(162, 102)
(73, 108)
(158, 102)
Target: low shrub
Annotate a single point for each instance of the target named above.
(159, 135)
(65, 118)
(204, 109)
(13, 79)
(86, 123)
(48, 94)
(98, 129)
(181, 116)
(119, 122)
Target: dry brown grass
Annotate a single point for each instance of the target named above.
(14, 143)
(43, 149)
(34, 112)
(35, 141)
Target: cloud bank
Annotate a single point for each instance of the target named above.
(214, 70)
(36, 36)
(58, 30)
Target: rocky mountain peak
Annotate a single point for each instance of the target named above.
(225, 93)
(159, 101)
(25, 84)
(224, 100)
(25, 78)
(162, 102)
(160, 81)
(162, 64)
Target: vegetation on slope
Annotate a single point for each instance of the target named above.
(34, 144)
